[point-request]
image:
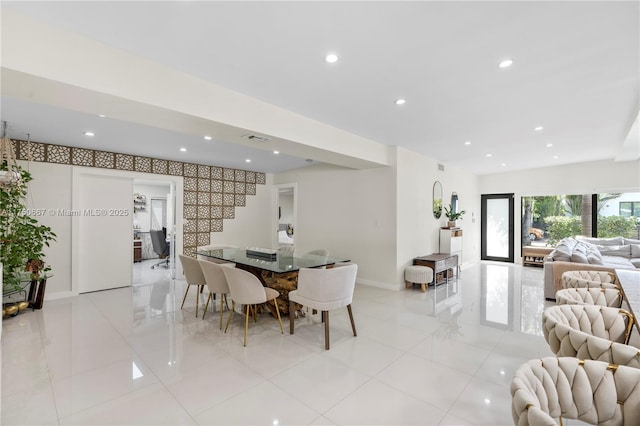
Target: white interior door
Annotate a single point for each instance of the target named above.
(103, 245)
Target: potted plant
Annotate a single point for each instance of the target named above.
(452, 215)
(22, 238)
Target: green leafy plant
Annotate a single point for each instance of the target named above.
(452, 215)
(22, 238)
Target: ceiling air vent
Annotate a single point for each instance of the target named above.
(255, 138)
(441, 167)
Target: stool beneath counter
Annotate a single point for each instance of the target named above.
(416, 274)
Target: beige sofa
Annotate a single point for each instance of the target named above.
(581, 253)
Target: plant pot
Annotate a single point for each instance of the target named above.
(451, 224)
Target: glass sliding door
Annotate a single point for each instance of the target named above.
(497, 227)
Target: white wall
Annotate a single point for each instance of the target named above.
(286, 208)
(142, 218)
(50, 190)
(418, 229)
(352, 214)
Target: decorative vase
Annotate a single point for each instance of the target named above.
(451, 224)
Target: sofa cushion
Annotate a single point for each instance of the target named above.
(616, 241)
(617, 262)
(563, 250)
(631, 241)
(635, 262)
(635, 250)
(622, 251)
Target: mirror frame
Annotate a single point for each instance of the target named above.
(437, 199)
(454, 202)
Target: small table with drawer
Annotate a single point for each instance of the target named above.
(443, 266)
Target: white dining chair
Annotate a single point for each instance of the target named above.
(324, 290)
(246, 289)
(194, 276)
(216, 283)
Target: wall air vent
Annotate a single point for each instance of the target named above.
(441, 167)
(255, 138)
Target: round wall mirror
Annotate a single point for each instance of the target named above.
(437, 199)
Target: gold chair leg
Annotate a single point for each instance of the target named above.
(197, 300)
(206, 305)
(233, 308)
(221, 299)
(353, 324)
(278, 313)
(292, 314)
(185, 296)
(325, 315)
(246, 326)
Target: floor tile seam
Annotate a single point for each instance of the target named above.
(106, 401)
(458, 397)
(484, 359)
(222, 401)
(104, 316)
(425, 401)
(403, 392)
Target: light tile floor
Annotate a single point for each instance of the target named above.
(130, 356)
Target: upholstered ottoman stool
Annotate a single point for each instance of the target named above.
(416, 274)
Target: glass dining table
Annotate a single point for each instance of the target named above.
(275, 269)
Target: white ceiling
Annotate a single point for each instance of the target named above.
(576, 72)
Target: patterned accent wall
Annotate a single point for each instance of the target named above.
(211, 193)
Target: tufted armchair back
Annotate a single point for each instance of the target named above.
(594, 392)
(610, 297)
(585, 278)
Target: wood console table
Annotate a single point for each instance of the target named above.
(442, 264)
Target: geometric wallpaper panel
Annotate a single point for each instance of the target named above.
(211, 193)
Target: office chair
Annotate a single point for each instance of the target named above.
(160, 246)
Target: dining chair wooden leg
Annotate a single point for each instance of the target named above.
(233, 308)
(292, 314)
(206, 305)
(353, 324)
(278, 314)
(325, 316)
(185, 296)
(246, 325)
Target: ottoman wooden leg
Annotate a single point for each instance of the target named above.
(424, 287)
(407, 284)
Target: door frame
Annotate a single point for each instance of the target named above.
(483, 227)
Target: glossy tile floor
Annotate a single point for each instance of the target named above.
(130, 356)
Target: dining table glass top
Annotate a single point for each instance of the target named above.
(284, 261)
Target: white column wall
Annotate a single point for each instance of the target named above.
(351, 213)
(418, 230)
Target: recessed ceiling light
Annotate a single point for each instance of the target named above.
(183, 149)
(89, 134)
(101, 115)
(400, 101)
(555, 157)
(207, 138)
(503, 164)
(506, 63)
(248, 160)
(549, 145)
(467, 143)
(489, 155)
(331, 58)
(539, 129)
(276, 152)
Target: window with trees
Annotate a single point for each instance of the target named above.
(548, 219)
